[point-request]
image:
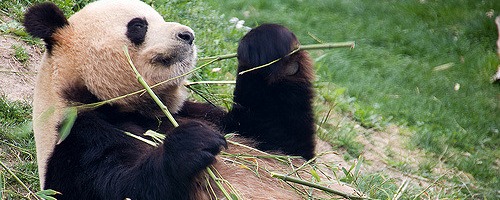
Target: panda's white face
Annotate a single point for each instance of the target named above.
(93, 45)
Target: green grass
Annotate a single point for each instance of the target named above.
(392, 76)
(20, 53)
(18, 149)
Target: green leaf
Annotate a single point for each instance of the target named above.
(47, 194)
(66, 125)
(233, 196)
(157, 137)
(46, 197)
(315, 175)
(358, 166)
(345, 171)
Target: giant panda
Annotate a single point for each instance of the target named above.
(84, 63)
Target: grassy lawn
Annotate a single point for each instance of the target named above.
(424, 65)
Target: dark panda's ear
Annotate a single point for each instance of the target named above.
(264, 44)
(43, 20)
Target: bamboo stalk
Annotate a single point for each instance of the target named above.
(221, 57)
(211, 60)
(314, 185)
(350, 44)
(97, 104)
(269, 63)
(167, 112)
(303, 47)
(149, 90)
(141, 138)
(187, 73)
(248, 147)
(218, 183)
(210, 82)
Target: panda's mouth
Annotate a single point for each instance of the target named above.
(165, 60)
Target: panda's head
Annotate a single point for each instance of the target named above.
(86, 60)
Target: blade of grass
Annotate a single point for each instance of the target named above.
(18, 180)
(401, 190)
(429, 186)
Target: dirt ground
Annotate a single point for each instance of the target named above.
(17, 78)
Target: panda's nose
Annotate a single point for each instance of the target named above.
(186, 36)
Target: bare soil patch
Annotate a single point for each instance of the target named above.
(16, 77)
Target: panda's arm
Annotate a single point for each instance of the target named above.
(98, 161)
(203, 111)
(273, 105)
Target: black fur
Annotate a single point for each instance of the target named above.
(43, 20)
(264, 44)
(270, 106)
(98, 161)
(79, 94)
(203, 111)
(186, 36)
(136, 30)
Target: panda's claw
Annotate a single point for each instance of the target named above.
(192, 147)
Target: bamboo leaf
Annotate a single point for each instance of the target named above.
(46, 197)
(233, 196)
(47, 194)
(67, 123)
(157, 137)
(141, 139)
(242, 166)
(315, 175)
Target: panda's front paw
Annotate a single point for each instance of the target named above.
(192, 147)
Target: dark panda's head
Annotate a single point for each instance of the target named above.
(85, 53)
(267, 43)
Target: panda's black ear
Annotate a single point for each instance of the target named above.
(43, 20)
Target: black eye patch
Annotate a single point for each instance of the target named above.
(136, 30)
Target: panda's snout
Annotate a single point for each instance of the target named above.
(186, 36)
